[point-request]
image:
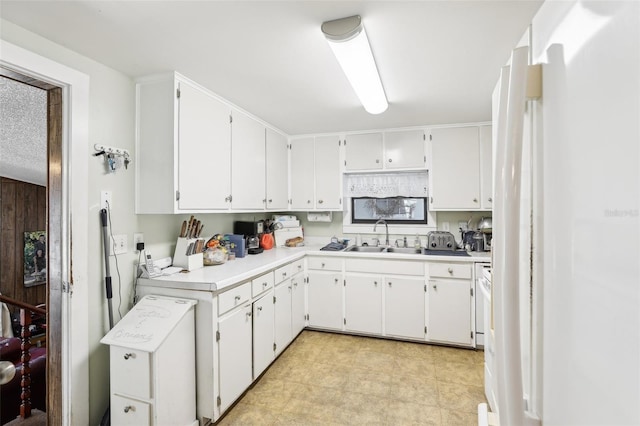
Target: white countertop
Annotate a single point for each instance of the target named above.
(220, 277)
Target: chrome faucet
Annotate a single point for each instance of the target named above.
(386, 241)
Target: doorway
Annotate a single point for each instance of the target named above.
(54, 236)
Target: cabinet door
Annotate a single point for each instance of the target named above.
(325, 300)
(486, 168)
(248, 162)
(455, 169)
(363, 304)
(302, 173)
(404, 307)
(263, 334)
(235, 357)
(297, 305)
(277, 171)
(327, 172)
(283, 315)
(450, 311)
(204, 151)
(363, 152)
(404, 149)
(129, 412)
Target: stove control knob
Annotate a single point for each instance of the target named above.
(449, 244)
(433, 244)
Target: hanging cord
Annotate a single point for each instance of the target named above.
(135, 283)
(115, 256)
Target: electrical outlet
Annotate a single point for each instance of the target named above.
(119, 244)
(105, 197)
(445, 226)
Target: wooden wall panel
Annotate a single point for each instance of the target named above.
(22, 208)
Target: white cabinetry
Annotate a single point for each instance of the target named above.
(324, 292)
(183, 131)
(234, 343)
(263, 333)
(363, 304)
(145, 346)
(403, 294)
(298, 312)
(282, 313)
(455, 169)
(315, 173)
(486, 168)
(450, 303)
(363, 152)
(247, 162)
(277, 181)
(404, 149)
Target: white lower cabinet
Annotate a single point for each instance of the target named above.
(263, 333)
(282, 313)
(450, 303)
(298, 312)
(127, 411)
(404, 307)
(325, 300)
(234, 349)
(363, 304)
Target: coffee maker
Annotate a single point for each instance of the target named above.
(251, 232)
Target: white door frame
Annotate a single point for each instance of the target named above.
(75, 142)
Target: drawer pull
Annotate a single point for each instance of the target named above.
(435, 287)
(248, 314)
(323, 264)
(295, 284)
(129, 408)
(237, 298)
(336, 281)
(375, 283)
(389, 283)
(284, 274)
(450, 270)
(264, 285)
(129, 355)
(259, 308)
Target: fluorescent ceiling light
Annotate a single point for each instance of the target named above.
(350, 44)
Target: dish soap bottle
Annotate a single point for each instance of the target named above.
(416, 243)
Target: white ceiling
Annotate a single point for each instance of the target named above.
(438, 60)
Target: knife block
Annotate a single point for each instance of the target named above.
(184, 261)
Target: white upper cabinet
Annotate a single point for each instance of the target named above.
(247, 162)
(327, 172)
(455, 169)
(302, 174)
(363, 152)
(182, 131)
(486, 168)
(277, 182)
(404, 149)
(315, 173)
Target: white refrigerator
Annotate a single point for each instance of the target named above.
(566, 234)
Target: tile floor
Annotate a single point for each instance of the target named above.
(333, 379)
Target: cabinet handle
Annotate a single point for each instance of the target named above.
(259, 308)
(323, 264)
(270, 200)
(390, 160)
(289, 287)
(284, 274)
(295, 284)
(129, 355)
(475, 200)
(248, 314)
(450, 270)
(375, 283)
(490, 200)
(129, 408)
(237, 298)
(336, 280)
(319, 201)
(308, 201)
(435, 287)
(264, 200)
(389, 283)
(377, 161)
(264, 285)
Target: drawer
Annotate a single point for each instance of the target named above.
(127, 411)
(234, 297)
(297, 266)
(283, 272)
(261, 284)
(130, 372)
(450, 270)
(391, 267)
(325, 263)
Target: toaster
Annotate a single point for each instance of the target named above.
(441, 240)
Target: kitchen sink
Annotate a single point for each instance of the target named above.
(365, 249)
(404, 250)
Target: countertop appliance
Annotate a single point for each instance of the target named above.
(567, 335)
(441, 240)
